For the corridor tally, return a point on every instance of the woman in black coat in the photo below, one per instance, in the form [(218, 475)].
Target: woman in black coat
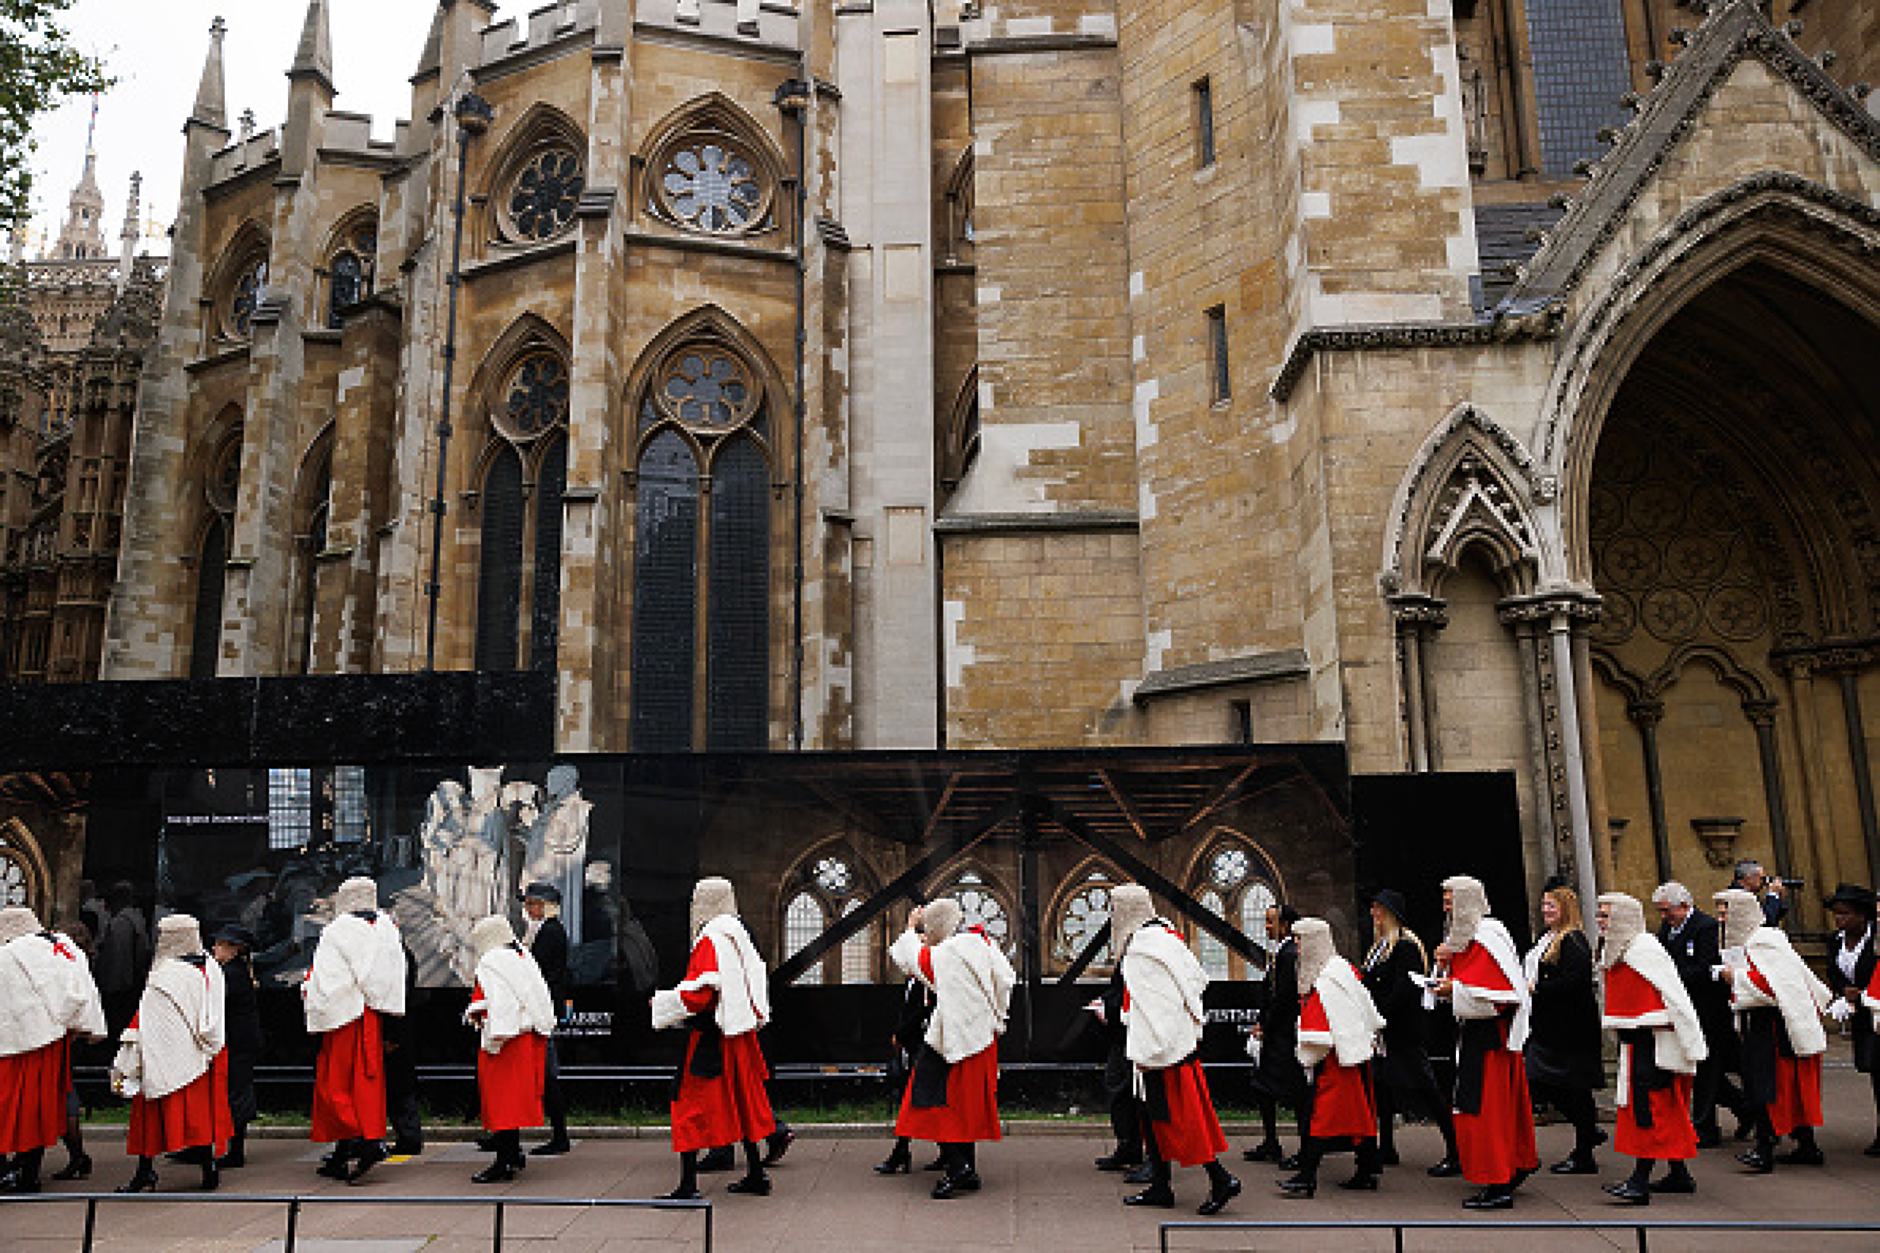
[(1405, 1082), (243, 1017), (1564, 1062), (1851, 962)]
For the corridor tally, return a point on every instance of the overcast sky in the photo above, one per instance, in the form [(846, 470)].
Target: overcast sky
[(156, 49)]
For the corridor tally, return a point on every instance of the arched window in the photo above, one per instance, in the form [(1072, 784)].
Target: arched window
[(539, 180), (829, 884), (710, 170), (221, 490), (1236, 882), (312, 543), (703, 415), (239, 283), (524, 479), (982, 905), (1083, 909), (350, 265)]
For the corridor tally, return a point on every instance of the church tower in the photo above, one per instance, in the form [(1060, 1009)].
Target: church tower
[(82, 237)]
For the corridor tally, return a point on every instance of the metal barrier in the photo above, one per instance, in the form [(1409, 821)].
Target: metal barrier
[(1641, 1227), (295, 1202)]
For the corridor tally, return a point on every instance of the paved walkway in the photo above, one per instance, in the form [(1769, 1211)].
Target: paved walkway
[(1040, 1193)]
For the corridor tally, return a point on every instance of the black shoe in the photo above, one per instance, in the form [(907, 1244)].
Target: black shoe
[(1575, 1165), (1759, 1162), (406, 1148), (1673, 1185), (1448, 1168), (1521, 1175), (334, 1167), (1490, 1198), (1218, 1197), (374, 1154), (1144, 1173), (1119, 1160), (1299, 1186), (776, 1144), (1806, 1155), (951, 1186), (1155, 1196), (750, 1185), (16, 1183), (1388, 1157), (78, 1168), (1289, 1162), (211, 1176), (142, 1181), (1266, 1151), (938, 1163), (496, 1172), (554, 1148), (680, 1194), (899, 1162), (712, 1161), (1628, 1193), (1363, 1181)]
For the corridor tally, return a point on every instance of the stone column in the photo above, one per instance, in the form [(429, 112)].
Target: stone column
[(1824, 866), (1417, 618), (1848, 664), (1646, 715), (1762, 716)]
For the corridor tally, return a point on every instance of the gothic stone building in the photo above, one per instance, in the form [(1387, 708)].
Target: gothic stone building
[(1483, 385)]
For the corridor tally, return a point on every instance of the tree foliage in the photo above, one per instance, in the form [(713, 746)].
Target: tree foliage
[(38, 67)]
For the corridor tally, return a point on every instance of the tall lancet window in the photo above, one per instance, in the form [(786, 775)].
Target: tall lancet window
[(525, 474), (702, 556), (221, 489)]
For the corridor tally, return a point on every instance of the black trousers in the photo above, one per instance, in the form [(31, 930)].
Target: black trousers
[(554, 1096), (401, 1097), (1712, 1086)]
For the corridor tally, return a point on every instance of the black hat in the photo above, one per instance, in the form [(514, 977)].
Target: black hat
[(539, 891), (236, 934), (1392, 899), (1556, 881), (1852, 894)]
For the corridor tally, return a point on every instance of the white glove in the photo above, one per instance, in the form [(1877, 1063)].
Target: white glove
[(1253, 1048), (1840, 1011)]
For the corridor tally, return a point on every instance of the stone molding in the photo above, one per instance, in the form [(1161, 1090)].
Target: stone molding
[(1288, 663)]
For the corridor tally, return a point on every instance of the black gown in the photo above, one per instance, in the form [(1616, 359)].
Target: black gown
[(1564, 1034), (1278, 1077), (1405, 1078)]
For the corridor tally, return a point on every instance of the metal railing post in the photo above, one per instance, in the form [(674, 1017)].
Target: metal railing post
[(1644, 1240), (496, 1233), (91, 1222), (293, 1221)]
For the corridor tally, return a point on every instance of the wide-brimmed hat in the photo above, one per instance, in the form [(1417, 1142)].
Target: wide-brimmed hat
[(539, 891), (1852, 894), (236, 934)]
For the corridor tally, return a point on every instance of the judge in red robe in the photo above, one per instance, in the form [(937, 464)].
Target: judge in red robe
[(1479, 973), (1661, 1042), (719, 1097), (357, 976), (47, 996), (952, 1098), (1163, 1017), (1779, 1003), (172, 1062), (514, 1015), (1338, 1030)]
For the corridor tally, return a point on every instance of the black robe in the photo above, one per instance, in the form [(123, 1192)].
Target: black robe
[(1404, 1070), (1866, 1055), (1694, 950), (242, 1018), (1564, 1034), (1279, 1077)]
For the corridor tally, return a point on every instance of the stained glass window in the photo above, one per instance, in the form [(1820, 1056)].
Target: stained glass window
[(545, 194), (1086, 913), (1581, 69), (979, 907), (665, 596), (211, 575), (250, 284), (499, 575), (350, 271), (706, 388), (290, 808), (738, 663), (545, 605), (536, 397)]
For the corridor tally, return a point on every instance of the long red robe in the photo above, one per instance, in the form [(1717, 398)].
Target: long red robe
[(190, 1117), (509, 1082), (1343, 1104), (971, 1113), (1497, 1142), (1798, 1081), (1671, 1137), (1192, 1134), (32, 1097), (730, 1107), (349, 1082)]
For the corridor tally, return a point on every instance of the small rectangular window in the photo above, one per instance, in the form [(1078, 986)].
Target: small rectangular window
[(1240, 721), (1204, 124), (1217, 354)]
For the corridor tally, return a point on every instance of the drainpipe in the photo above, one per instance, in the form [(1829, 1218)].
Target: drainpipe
[(792, 99), (474, 115)]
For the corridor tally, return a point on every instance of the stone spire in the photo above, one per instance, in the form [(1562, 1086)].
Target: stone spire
[(127, 237), (314, 57), (211, 97), (430, 60), (82, 237)]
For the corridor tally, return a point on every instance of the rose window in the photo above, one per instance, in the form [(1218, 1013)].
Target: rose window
[(980, 908), (833, 877), (712, 188), (1085, 914), (1228, 868), (536, 399), (708, 389), (546, 192)]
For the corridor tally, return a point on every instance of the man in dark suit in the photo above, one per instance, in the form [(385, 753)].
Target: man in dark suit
[(1851, 961), (1691, 937), (548, 944)]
